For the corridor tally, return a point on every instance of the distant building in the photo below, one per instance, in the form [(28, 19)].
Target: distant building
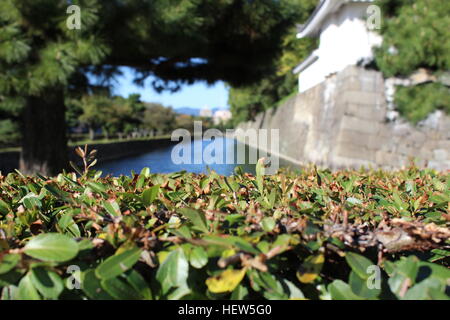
[(206, 112), (221, 116), (344, 40)]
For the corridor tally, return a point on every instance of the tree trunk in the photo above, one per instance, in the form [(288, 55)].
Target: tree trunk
[(44, 140)]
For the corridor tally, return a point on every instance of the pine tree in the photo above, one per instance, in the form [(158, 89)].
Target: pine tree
[(177, 41), (416, 34), (280, 83), (40, 59)]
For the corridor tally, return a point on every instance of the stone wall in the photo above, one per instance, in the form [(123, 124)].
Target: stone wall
[(105, 152), (343, 123)]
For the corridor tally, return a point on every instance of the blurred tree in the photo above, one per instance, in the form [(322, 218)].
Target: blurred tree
[(416, 35), (247, 101), (73, 112), (9, 121), (128, 114), (40, 61), (9, 133), (111, 114), (158, 118), (417, 102), (177, 41), (96, 111), (184, 121)]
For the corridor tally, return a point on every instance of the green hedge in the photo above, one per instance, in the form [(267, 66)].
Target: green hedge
[(304, 235)]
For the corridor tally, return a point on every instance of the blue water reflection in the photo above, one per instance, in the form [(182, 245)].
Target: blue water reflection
[(160, 161)]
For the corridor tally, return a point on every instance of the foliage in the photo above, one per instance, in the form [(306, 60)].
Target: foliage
[(159, 118), (31, 62), (176, 42), (417, 102), (113, 115), (42, 61), (222, 36), (418, 30), (416, 35), (9, 123), (9, 132), (185, 121), (307, 235), (247, 101)]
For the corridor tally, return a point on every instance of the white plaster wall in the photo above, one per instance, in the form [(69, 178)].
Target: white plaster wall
[(344, 41)]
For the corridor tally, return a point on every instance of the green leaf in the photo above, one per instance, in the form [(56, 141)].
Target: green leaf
[(26, 289), (339, 290), (58, 193), (437, 272), (31, 201), (310, 268), (118, 264), (232, 241), (260, 175), (232, 185), (439, 254), (8, 293), (85, 244), (359, 264), (96, 187), (239, 293), (244, 245), (149, 195), (9, 261), (234, 218), (179, 292), (361, 288), (135, 279), (268, 224), (428, 289), (47, 282), (52, 247), (173, 272), (198, 257), (269, 285), (4, 207), (93, 288), (404, 270), (353, 201), (112, 208), (67, 223), (119, 289), (10, 278), (140, 182), (196, 217), (294, 292), (145, 172)]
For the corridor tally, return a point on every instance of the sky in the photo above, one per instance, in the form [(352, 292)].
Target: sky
[(197, 96)]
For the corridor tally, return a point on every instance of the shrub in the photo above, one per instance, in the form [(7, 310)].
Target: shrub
[(306, 235), (416, 103)]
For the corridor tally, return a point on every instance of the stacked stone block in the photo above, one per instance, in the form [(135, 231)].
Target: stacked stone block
[(343, 123)]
